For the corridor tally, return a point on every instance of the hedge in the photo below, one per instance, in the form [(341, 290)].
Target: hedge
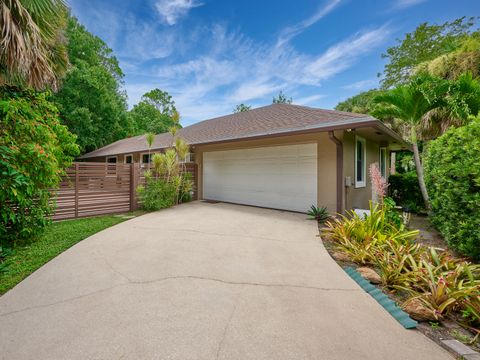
[(452, 175), (404, 189)]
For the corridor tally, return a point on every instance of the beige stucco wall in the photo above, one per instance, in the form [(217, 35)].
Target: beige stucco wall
[(327, 175), (359, 197), (326, 157)]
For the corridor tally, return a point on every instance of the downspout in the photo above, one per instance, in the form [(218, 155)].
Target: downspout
[(339, 145)]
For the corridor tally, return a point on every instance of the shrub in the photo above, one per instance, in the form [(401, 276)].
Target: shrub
[(34, 150), (405, 191), (168, 183), (318, 213), (157, 194), (452, 175)]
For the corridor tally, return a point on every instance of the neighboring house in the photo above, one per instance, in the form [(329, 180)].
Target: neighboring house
[(279, 156)]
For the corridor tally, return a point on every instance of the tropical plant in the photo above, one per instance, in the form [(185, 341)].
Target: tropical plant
[(34, 150), (318, 213), (32, 50), (374, 227), (452, 165), (241, 108), (399, 263), (281, 99), (410, 103), (149, 138), (167, 182), (361, 103)]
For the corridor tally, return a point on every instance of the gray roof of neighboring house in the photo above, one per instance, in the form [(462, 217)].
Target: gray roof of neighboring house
[(275, 119)]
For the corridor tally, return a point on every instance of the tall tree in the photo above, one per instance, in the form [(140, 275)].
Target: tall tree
[(241, 108), (281, 99), (154, 113), (426, 43), (410, 104), (361, 103), (91, 101), (32, 45)]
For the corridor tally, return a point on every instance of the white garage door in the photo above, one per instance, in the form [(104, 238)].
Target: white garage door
[(280, 177)]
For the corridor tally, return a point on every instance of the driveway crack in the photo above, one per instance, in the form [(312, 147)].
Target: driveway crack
[(227, 326), (180, 277)]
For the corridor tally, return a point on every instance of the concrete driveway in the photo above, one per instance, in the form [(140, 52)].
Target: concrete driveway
[(201, 281)]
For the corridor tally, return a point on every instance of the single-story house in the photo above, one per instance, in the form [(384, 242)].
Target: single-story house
[(279, 156)]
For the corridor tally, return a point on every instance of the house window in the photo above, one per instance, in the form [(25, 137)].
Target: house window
[(146, 158), (383, 162), (111, 159), (360, 162), (128, 159)]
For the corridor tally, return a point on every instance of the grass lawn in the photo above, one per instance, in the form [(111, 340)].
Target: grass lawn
[(57, 238)]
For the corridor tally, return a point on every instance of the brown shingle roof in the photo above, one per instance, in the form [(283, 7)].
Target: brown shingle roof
[(263, 121)]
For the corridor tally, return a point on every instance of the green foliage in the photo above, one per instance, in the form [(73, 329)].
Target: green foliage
[(426, 43), (452, 166), (374, 227), (442, 283), (58, 237), (405, 191), (451, 65), (34, 150), (241, 108), (361, 103), (154, 113), (157, 194), (168, 182), (281, 99), (91, 102), (318, 213), (32, 51)]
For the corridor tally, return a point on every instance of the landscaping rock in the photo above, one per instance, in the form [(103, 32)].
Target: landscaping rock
[(418, 311), (370, 274), (340, 257)]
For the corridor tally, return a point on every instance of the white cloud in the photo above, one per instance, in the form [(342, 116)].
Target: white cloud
[(235, 69), (294, 30), (402, 4), (343, 55), (308, 100), (362, 85), (172, 10)]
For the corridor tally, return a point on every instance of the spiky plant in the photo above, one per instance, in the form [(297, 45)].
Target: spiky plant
[(32, 44)]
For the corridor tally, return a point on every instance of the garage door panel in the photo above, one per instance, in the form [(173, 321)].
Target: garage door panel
[(283, 177)]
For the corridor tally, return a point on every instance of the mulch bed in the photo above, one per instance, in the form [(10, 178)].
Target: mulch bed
[(448, 329)]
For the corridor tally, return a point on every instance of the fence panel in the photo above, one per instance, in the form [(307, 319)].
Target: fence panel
[(90, 189)]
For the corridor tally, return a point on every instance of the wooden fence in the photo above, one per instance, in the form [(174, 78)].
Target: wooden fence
[(90, 189)]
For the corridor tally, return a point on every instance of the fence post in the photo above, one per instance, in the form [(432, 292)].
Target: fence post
[(77, 175), (134, 176)]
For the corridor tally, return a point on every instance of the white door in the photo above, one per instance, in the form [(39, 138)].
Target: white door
[(279, 177)]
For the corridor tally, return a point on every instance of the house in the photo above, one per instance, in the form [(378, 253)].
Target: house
[(279, 156)]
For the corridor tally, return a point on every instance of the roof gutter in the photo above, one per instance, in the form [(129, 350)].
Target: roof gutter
[(338, 143)]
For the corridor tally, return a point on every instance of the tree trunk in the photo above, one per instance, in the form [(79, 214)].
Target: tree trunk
[(421, 181)]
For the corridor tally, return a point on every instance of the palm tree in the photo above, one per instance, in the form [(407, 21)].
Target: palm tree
[(150, 138), (32, 44), (410, 104)]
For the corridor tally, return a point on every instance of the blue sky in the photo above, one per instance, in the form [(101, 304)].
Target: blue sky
[(213, 54)]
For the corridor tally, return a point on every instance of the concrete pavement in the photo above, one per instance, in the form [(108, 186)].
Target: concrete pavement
[(201, 281)]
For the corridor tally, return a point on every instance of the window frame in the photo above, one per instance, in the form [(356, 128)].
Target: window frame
[(111, 157), (141, 158), (125, 158), (363, 183), (383, 158)]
